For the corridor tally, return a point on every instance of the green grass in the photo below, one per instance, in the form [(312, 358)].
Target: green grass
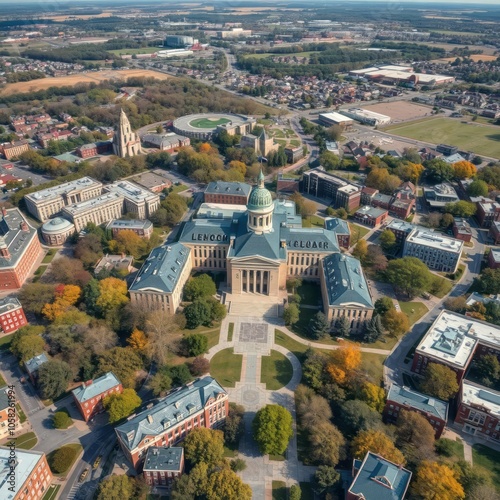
[(2, 381), (310, 293), (276, 371), (488, 460), (39, 272), (26, 441), (5, 341), (483, 140), (295, 143), (212, 334), (225, 366), (302, 326), (142, 50), (279, 490), (277, 458), (20, 413), (50, 255), (357, 232), (230, 332), (231, 451), (372, 365), (77, 448), (457, 449), (178, 188), (414, 310), (207, 122), (51, 493), (282, 339), (446, 287)]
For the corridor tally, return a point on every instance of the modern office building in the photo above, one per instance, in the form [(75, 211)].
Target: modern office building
[(137, 200), (11, 315), (126, 142), (440, 195)]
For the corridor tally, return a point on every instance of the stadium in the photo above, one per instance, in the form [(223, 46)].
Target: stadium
[(206, 125)]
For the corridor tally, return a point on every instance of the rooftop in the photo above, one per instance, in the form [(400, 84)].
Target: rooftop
[(174, 408), (320, 172), (368, 211), (495, 254), (478, 395), (8, 304), (130, 190), (401, 225), (337, 117), (340, 226), (56, 225), (118, 262), (379, 479), (164, 459), (434, 240), (26, 462), (345, 282), (129, 224), (162, 269), (219, 210), (230, 188), (103, 199), (409, 397), (67, 187), (93, 388), (33, 364)]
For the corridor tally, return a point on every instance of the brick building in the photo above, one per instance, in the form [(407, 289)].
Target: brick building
[(203, 403), (14, 149), (487, 213), (88, 397), (31, 475), (163, 465), (400, 398), (341, 228), (494, 232), (461, 230), (143, 228), (494, 258), (11, 315), (286, 185), (232, 193), (370, 216), (33, 365), (19, 249), (94, 149)]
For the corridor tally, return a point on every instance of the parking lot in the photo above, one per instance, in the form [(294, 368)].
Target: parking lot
[(22, 172)]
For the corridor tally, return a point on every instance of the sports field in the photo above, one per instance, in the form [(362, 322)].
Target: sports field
[(481, 139), (208, 122)]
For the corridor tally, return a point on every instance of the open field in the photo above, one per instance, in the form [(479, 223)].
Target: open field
[(400, 110), (208, 122), (225, 366), (95, 77), (276, 371), (474, 57), (487, 460), (142, 50), (481, 139), (273, 54)]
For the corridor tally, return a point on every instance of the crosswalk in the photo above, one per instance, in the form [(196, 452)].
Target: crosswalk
[(72, 492)]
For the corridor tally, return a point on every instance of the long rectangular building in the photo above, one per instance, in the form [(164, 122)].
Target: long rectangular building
[(46, 202), (137, 200)]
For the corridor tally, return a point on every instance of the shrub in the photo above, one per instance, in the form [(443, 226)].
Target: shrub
[(196, 344), (61, 420), (62, 459), (238, 464), (199, 366)]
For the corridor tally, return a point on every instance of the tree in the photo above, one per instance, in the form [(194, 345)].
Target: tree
[(477, 188), (291, 314), (180, 375), (33, 296), (373, 328), (61, 420), (114, 487), (53, 378), (234, 427), (196, 344), (199, 366), (329, 160), (65, 297), (438, 170), (319, 325), (204, 445), (112, 296), (409, 274), (360, 250), (374, 396), (461, 208), (312, 409), (488, 368), (27, 342), (295, 492), (456, 304), (313, 368), (414, 436), (343, 362), (91, 293), (200, 287), (325, 478), (227, 485), (387, 240), (121, 405), (89, 249), (128, 242), (464, 169), (197, 313), (489, 281), (138, 340), (383, 305), (238, 465), (160, 331), (61, 458), (395, 322), (334, 132), (161, 381), (342, 327), (67, 271), (272, 429), (326, 444), (482, 491), (123, 362), (376, 442), (434, 480), (358, 416), (439, 381), (381, 179)]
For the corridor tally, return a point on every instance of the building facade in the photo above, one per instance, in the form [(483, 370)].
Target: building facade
[(461, 230), (56, 231), (88, 397), (126, 143), (494, 232), (487, 213), (33, 365), (19, 249), (94, 149), (143, 228), (371, 216), (262, 145), (11, 315), (9, 419), (203, 403), (14, 149), (139, 201), (163, 465), (231, 193)]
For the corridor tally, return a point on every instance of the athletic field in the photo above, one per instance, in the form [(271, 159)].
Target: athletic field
[(208, 122), (479, 138)]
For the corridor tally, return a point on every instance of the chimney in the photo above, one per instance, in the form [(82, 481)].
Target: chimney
[(24, 226), (4, 211), (89, 382), (4, 251)]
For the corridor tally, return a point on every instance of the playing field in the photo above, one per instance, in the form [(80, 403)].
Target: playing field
[(481, 139), (208, 122)]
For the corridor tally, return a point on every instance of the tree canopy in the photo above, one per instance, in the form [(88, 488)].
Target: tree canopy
[(272, 429), (409, 274), (439, 381)]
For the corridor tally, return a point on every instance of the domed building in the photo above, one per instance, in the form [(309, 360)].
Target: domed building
[(57, 231), (258, 249)]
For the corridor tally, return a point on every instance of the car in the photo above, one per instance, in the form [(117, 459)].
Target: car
[(83, 475), (97, 461)]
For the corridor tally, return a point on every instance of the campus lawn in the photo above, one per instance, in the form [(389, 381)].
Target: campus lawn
[(225, 367), (414, 310), (457, 449), (357, 232), (178, 188), (276, 371), (373, 366), (50, 255), (26, 441), (282, 339), (230, 332), (445, 288), (313, 221), (488, 460), (51, 493), (480, 139), (302, 326)]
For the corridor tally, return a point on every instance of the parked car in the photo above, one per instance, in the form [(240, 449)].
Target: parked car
[(97, 461), (83, 475)]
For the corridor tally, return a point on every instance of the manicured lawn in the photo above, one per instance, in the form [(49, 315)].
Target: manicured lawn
[(457, 449), (178, 188), (295, 143), (313, 221), (372, 365), (211, 333), (292, 345), (208, 122), (75, 447), (51, 493), (414, 310), (225, 366), (50, 255), (39, 273), (276, 371), (230, 332), (480, 139), (20, 413), (489, 460), (26, 441), (357, 232), (445, 288), (279, 490), (310, 293), (5, 342)]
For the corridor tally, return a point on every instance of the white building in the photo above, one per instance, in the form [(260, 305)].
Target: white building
[(367, 117), (138, 200)]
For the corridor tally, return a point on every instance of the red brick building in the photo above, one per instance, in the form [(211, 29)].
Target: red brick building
[(433, 410), (203, 403), (230, 193), (163, 465), (495, 232), (371, 216), (88, 397), (461, 230), (487, 213), (342, 230), (286, 185), (494, 258), (19, 249), (11, 315), (94, 149)]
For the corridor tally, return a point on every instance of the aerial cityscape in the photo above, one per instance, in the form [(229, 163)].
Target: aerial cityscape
[(249, 250)]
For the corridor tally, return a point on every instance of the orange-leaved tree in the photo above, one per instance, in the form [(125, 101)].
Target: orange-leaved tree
[(434, 480), (376, 442), (343, 362), (464, 169)]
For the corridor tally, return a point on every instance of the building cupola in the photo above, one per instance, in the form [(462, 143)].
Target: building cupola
[(260, 208)]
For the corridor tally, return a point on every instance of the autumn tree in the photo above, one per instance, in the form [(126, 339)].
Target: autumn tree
[(464, 169), (312, 408), (114, 487), (124, 362), (381, 179), (65, 297), (414, 436), (128, 242), (361, 250), (374, 396), (160, 332), (234, 427), (67, 271), (199, 366), (376, 442), (343, 362), (121, 405), (434, 480), (227, 485), (326, 444), (395, 322), (439, 381), (27, 342), (272, 429), (204, 445), (138, 340), (33, 296)]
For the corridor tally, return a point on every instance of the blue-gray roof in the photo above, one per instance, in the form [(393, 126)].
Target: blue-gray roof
[(379, 479), (231, 188), (164, 459), (345, 281), (4, 398), (340, 226), (310, 239), (208, 230), (408, 397), (370, 211), (13, 237), (95, 387), (33, 364), (172, 409), (162, 268), (129, 224)]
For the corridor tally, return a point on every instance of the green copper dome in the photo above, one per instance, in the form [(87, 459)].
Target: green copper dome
[(260, 197)]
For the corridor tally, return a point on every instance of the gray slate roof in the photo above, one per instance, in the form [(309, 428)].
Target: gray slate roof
[(310, 239), (98, 386), (209, 230), (345, 281), (379, 479), (33, 364), (4, 399), (232, 188), (174, 408), (340, 226), (164, 459), (408, 397), (162, 268)]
